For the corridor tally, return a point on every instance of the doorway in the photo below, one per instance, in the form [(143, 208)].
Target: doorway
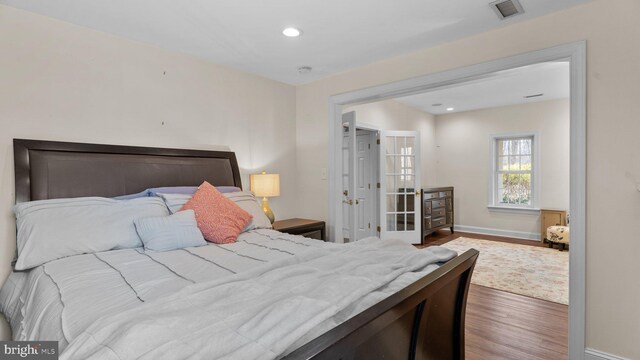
[(576, 53), (381, 177), (366, 183), (363, 197)]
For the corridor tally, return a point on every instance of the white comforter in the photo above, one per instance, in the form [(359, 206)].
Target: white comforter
[(259, 298)]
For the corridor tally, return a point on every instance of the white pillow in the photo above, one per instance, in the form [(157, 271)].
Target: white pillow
[(57, 228), (246, 200), (175, 201)]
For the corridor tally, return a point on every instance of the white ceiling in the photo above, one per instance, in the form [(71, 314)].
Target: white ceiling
[(509, 87), (246, 34)]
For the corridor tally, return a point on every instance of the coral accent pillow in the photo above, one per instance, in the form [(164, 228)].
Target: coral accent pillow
[(219, 219)]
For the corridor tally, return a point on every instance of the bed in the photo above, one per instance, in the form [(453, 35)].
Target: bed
[(418, 315)]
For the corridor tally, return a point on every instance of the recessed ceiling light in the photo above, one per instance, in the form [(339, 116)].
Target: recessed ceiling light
[(291, 32), (450, 109), (304, 69)]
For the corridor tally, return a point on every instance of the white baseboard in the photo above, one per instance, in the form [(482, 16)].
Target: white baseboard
[(590, 354), (498, 232)]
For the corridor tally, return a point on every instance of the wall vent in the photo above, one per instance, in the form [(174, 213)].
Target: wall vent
[(507, 8)]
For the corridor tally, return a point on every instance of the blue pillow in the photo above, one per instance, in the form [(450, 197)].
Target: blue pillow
[(186, 190), (144, 193), (226, 189), (164, 233)]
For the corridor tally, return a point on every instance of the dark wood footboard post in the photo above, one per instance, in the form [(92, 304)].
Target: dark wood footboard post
[(424, 321), (461, 310), (443, 321), (415, 331)]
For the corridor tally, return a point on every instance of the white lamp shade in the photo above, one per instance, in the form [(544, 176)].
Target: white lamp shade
[(265, 185)]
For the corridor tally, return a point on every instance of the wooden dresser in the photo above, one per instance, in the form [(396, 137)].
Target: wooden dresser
[(437, 209)]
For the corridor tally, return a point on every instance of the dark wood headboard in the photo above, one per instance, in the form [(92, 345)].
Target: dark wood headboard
[(51, 169)]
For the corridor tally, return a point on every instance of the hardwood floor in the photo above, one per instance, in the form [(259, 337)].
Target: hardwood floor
[(505, 326), (502, 325)]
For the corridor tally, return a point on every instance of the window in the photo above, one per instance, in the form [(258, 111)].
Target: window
[(514, 172)]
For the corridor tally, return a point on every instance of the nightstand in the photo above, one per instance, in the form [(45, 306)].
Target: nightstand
[(313, 229)]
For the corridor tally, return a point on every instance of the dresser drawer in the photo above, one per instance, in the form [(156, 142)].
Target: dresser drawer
[(437, 203), (439, 212), (431, 195), (427, 223), (445, 194), (438, 222), (449, 203), (426, 207), (450, 217)]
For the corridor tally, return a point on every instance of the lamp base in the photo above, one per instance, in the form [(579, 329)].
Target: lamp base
[(267, 210)]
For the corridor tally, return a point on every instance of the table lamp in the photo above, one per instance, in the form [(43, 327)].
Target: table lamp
[(266, 185)]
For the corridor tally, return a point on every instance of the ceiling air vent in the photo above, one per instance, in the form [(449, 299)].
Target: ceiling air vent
[(507, 8)]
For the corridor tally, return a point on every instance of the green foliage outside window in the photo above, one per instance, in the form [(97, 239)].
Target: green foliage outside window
[(516, 187)]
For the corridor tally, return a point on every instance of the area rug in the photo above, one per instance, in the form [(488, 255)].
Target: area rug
[(537, 272)]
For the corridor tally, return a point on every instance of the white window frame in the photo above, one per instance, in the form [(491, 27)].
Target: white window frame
[(494, 204)]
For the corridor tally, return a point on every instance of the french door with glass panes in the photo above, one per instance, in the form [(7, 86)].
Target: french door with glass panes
[(400, 185)]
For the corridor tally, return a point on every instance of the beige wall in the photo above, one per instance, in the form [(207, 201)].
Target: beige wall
[(465, 158), (613, 156), (63, 82), (393, 115), (456, 145)]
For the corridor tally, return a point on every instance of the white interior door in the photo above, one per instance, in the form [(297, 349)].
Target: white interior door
[(366, 180), (348, 176), (400, 185)]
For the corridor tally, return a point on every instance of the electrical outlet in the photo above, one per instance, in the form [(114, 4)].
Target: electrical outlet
[(323, 174)]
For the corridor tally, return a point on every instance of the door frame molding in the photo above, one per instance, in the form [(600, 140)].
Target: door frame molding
[(576, 54)]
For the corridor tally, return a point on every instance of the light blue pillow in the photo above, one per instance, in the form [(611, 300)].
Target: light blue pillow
[(164, 233)]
